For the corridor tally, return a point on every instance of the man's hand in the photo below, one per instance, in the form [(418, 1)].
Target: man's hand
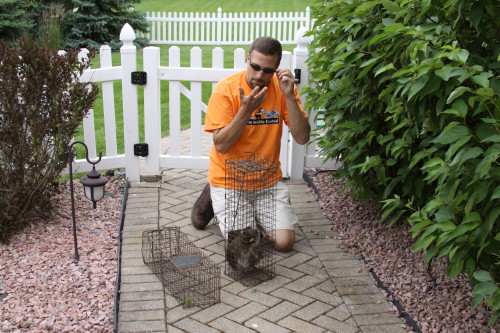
[(227, 136), (286, 80), (253, 101)]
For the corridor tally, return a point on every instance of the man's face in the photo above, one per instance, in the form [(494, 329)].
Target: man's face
[(260, 69)]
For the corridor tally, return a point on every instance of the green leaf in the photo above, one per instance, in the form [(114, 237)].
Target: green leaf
[(476, 13), (496, 193), (451, 133), (396, 27), (472, 217), (482, 79), (365, 6), (476, 300), (423, 242), (487, 92), (455, 267), (390, 6), (384, 69), (485, 288), (433, 204), (463, 55), (456, 146), (418, 156), (457, 93), (419, 226), (495, 138), (369, 62), (417, 86), (430, 254), (470, 153), (446, 226), (445, 72), (444, 214), (491, 218), (483, 276), (461, 107)]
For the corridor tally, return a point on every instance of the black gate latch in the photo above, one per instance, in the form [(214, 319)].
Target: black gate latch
[(140, 78), (141, 149), (297, 73)]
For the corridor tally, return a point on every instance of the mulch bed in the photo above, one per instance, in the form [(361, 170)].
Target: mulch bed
[(434, 302), (43, 288)]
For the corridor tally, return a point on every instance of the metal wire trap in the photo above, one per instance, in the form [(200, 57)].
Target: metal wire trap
[(250, 218), (182, 267)]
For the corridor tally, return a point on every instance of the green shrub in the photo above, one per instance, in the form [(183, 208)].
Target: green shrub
[(41, 105), (410, 91)]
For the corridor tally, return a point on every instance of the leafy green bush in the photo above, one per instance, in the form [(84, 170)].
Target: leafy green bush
[(410, 92), (41, 105)]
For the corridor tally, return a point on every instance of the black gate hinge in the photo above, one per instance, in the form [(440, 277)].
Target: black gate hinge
[(140, 78), (141, 149)]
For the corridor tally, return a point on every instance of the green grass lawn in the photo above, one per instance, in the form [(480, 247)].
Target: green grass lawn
[(176, 5), (226, 5)]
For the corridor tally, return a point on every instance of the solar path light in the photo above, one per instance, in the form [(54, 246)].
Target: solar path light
[(93, 184)]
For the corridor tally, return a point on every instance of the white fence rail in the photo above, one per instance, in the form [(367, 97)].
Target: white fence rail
[(221, 28), (293, 157)]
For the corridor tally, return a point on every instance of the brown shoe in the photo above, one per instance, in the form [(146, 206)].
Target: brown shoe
[(202, 212)]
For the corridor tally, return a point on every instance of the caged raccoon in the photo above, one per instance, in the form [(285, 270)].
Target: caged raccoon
[(244, 248)]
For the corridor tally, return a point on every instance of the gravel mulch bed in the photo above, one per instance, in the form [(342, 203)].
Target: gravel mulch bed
[(432, 300), (42, 288)]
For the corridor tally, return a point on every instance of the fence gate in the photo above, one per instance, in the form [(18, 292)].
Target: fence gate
[(191, 150)]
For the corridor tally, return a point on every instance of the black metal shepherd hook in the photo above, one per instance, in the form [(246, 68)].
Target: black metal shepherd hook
[(93, 184)]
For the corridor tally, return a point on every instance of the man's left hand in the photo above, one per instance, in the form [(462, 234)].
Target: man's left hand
[(286, 80)]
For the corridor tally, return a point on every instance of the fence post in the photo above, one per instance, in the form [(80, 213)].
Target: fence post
[(219, 25), (152, 125), (301, 52), (130, 110)]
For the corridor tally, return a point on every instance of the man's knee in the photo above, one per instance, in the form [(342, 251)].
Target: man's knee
[(284, 240)]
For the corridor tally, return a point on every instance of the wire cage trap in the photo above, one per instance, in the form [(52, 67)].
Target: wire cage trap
[(250, 218), (182, 267)]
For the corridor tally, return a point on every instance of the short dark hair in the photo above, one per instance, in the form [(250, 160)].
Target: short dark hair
[(267, 46)]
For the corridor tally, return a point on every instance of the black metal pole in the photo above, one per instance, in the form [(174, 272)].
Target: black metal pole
[(77, 257)]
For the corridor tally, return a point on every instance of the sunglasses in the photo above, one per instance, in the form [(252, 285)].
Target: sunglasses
[(257, 68)]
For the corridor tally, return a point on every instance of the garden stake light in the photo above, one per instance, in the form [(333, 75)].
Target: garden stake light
[(93, 184)]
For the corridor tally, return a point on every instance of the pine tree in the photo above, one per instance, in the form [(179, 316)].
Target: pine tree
[(97, 22), (13, 19)]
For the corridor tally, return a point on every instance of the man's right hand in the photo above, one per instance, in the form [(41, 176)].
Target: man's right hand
[(253, 100)]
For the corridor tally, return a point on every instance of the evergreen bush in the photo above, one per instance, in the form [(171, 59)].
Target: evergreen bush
[(14, 20), (41, 105), (96, 23), (410, 92)]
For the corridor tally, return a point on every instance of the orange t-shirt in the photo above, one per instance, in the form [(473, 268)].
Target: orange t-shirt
[(263, 131)]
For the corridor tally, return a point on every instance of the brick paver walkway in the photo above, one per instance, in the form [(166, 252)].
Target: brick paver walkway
[(319, 287)]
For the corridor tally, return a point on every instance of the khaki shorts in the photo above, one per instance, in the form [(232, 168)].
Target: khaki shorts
[(285, 217)]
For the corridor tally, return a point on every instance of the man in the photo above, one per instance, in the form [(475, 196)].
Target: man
[(235, 112)]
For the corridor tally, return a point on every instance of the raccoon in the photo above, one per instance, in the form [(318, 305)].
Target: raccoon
[(244, 248)]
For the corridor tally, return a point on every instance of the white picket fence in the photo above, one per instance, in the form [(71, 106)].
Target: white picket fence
[(221, 28), (293, 158)]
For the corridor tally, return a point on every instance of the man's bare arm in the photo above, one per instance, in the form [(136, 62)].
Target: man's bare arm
[(224, 138)]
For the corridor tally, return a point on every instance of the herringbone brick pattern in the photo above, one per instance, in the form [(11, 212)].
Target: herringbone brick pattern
[(319, 287)]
